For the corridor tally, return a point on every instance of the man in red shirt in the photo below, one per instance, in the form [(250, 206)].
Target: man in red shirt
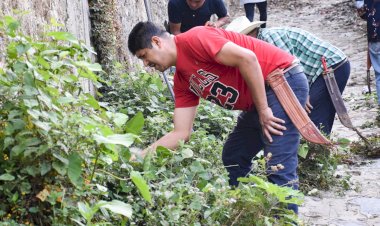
[(228, 69)]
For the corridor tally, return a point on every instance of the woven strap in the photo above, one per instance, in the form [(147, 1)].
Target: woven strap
[(293, 108)]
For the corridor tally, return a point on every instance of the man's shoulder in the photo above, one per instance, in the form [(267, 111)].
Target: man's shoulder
[(178, 3), (215, 1)]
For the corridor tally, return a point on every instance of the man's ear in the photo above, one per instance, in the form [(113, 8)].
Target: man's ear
[(157, 40)]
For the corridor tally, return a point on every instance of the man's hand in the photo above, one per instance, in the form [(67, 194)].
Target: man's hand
[(137, 154), (270, 124), (308, 106), (211, 24)]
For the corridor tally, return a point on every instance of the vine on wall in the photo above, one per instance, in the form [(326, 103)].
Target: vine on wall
[(104, 31)]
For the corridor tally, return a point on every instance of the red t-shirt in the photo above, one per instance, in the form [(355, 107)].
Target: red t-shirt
[(199, 75)]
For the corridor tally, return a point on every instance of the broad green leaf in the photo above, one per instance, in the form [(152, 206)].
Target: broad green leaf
[(56, 64), (13, 114), (20, 67), (120, 119), (45, 168), (63, 54), (122, 139), (12, 25), (49, 52), (21, 48), (136, 124), (43, 125), (92, 101), (75, 169), (141, 184), (43, 63), (66, 100), (60, 168), (33, 141), (78, 222), (187, 153), (7, 177), (31, 170), (17, 150), (64, 36), (86, 211), (303, 150), (25, 187), (119, 207), (89, 66), (11, 50), (8, 141), (30, 103), (197, 167), (62, 159)]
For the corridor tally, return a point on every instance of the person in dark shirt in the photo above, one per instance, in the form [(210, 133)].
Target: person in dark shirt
[(369, 10), (186, 14)]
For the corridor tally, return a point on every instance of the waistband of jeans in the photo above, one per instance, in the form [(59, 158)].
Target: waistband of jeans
[(294, 68), (336, 66)]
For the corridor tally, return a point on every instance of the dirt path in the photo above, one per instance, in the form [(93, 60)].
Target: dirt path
[(336, 22)]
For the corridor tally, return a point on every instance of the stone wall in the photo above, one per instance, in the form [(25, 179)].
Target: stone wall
[(35, 15), (74, 14), (132, 11)]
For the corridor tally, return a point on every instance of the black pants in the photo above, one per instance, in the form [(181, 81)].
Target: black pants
[(250, 11)]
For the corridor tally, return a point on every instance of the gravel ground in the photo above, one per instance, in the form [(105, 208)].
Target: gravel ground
[(336, 21)]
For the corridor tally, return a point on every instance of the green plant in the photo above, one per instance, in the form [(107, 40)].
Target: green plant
[(65, 155), (54, 137), (318, 163)]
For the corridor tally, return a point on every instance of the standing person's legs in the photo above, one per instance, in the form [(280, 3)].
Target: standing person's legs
[(323, 112), (374, 53), (249, 9), (244, 142), (262, 6), (284, 148)]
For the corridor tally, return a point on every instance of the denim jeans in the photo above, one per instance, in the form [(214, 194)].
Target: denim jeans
[(250, 11), (323, 112), (374, 53), (247, 139)]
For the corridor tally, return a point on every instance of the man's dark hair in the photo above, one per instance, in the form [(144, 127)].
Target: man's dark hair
[(141, 36)]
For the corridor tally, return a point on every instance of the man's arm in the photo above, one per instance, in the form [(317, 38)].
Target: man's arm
[(183, 123), (223, 21), (175, 18), (175, 29), (249, 67), (219, 23)]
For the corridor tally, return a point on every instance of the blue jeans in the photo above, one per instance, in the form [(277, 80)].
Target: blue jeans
[(250, 11), (374, 53), (247, 139), (323, 112)]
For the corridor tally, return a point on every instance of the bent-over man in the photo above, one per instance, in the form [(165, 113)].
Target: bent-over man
[(228, 69)]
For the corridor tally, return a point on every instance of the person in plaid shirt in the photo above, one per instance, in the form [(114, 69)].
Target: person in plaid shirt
[(308, 49), (369, 10)]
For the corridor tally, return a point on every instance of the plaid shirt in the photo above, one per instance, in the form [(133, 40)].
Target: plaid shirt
[(305, 46)]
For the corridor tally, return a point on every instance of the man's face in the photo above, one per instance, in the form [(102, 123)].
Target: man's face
[(154, 57), (195, 4)]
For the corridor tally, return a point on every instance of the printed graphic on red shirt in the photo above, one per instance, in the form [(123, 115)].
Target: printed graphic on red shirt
[(219, 93)]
